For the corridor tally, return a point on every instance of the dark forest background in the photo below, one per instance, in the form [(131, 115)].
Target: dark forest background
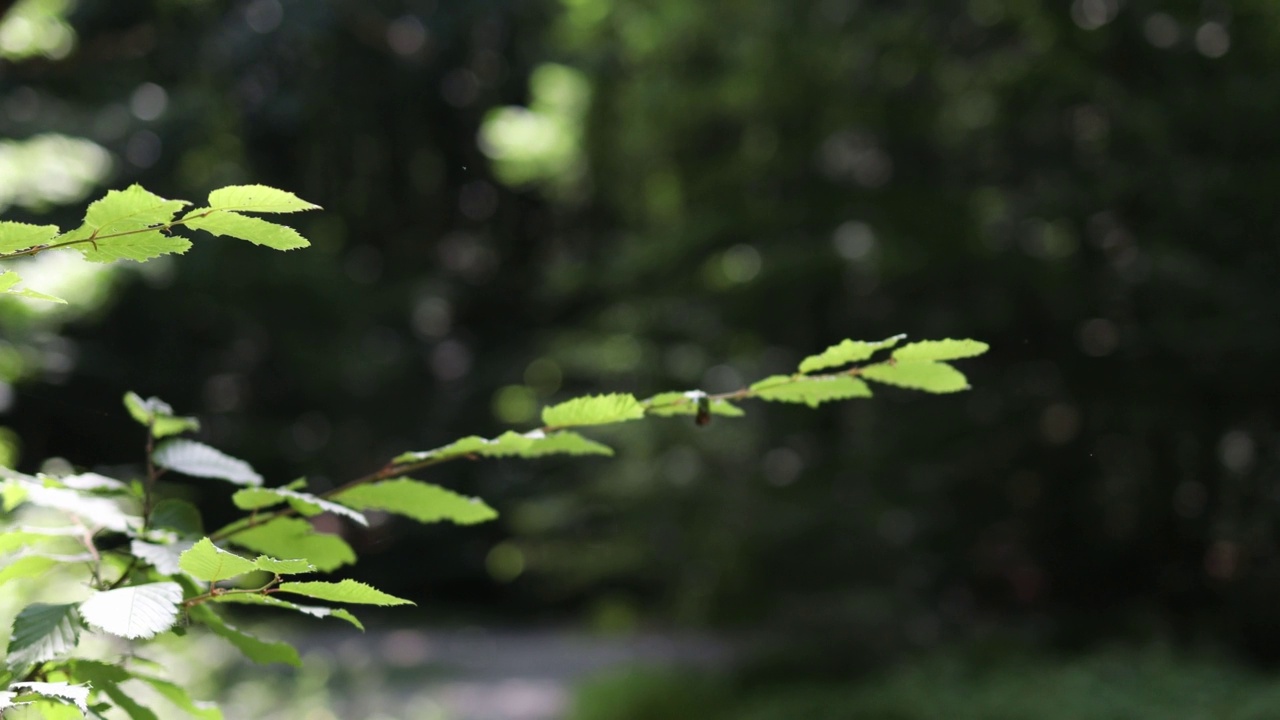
[(528, 200)]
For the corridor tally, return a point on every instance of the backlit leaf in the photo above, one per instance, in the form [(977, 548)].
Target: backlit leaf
[(812, 391), (165, 559), (244, 227), (845, 352), (934, 377), (77, 695), (274, 601), (287, 537), (139, 611), (532, 444), (124, 226), (421, 501), (305, 503), (9, 286), (16, 236), (258, 198), (199, 460), (686, 403), (283, 567), (210, 563), (156, 414), (593, 410), (940, 350), (346, 591)]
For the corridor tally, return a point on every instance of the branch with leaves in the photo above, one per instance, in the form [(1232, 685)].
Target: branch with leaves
[(163, 571)]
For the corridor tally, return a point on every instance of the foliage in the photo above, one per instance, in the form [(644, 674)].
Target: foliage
[(152, 570)]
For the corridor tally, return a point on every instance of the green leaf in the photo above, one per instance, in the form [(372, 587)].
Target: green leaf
[(272, 601), (244, 227), (256, 649), (14, 538), (42, 632), (166, 559), (934, 377), (210, 563), (847, 351), (199, 460), (421, 501), (8, 286), (124, 225), (296, 538), (179, 516), (9, 700), (257, 198), (686, 403), (15, 236), (305, 503), (178, 695), (812, 391), (593, 410), (346, 591), (940, 350), (283, 567), (157, 415), (77, 695), (29, 566), (532, 444), (139, 611)]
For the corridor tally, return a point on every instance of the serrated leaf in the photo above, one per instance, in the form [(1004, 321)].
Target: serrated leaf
[(199, 460), (42, 632), (296, 538), (940, 350), (317, 611), (934, 377), (258, 198), (244, 227), (139, 611), (532, 444), (845, 352), (256, 649), (124, 225), (77, 695), (15, 236), (345, 591), (593, 410), (283, 567), (421, 501), (210, 563), (166, 559), (686, 403), (305, 503), (812, 391), (9, 700), (179, 696), (158, 415)]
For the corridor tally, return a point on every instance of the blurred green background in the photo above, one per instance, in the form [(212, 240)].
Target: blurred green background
[(531, 199)]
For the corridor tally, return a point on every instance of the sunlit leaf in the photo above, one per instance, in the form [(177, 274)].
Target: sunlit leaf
[(686, 403), (16, 236), (244, 227), (346, 591), (295, 538), (845, 352), (165, 559), (156, 414), (934, 377), (124, 226), (210, 563), (258, 198), (9, 286), (593, 410), (139, 611), (305, 503), (42, 632), (283, 567), (29, 566), (812, 391), (274, 601), (421, 501), (199, 460), (532, 444), (940, 350), (94, 511)]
